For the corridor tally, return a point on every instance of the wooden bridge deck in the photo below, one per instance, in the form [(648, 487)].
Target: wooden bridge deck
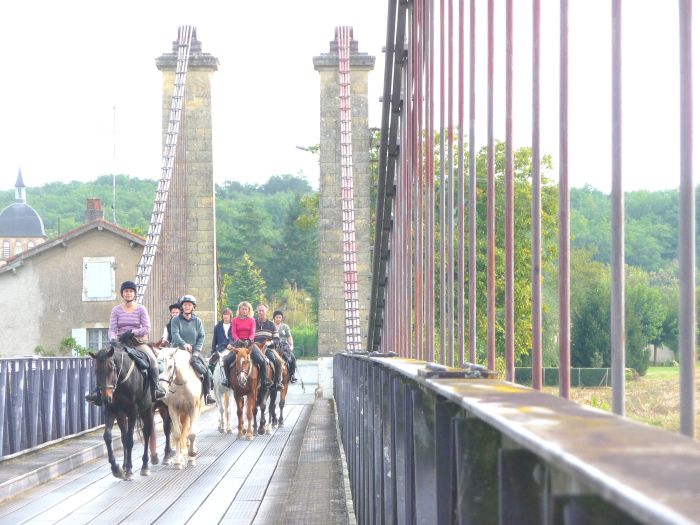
[(234, 481)]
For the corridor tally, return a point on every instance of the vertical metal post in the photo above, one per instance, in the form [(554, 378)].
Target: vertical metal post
[(4, 372), (536, 205), (686, 242), (472, 181), (451, 188), (564, 304), (443, 217), (509, 205), (490, 205), (617, 289), (430, 176), (460, 152)]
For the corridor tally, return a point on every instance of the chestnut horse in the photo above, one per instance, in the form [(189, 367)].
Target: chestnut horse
[(244, 379)]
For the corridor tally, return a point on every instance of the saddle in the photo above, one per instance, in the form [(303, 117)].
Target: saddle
[(138, 357)]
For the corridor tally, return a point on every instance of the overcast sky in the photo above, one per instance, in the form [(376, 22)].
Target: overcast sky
[(82, 95)]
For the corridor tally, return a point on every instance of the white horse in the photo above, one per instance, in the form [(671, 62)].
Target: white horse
[(183, 399), (223, 395)]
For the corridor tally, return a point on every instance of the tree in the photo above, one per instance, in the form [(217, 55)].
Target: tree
[(645, 312), (246, 283), (522, 161)]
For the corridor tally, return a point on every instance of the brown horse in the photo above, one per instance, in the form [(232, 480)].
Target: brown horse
[(282, 395), (244, 379)]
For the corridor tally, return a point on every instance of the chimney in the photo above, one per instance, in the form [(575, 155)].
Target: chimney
[(94, 209)]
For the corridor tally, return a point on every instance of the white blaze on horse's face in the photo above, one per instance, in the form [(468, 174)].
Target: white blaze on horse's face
[(242, 375)]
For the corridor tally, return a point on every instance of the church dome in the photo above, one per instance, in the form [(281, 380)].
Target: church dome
[(21, 220)]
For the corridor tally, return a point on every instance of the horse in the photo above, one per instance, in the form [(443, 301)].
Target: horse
[(184, 402), (223, 395), (244, 379), (162, 409), (127, 398), (282, 396)]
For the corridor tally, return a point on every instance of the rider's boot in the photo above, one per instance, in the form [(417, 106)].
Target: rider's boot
[(206, 390), (225, 383), (94, 397), (265, 383), (292, 370), (278, 376), (157, 391)]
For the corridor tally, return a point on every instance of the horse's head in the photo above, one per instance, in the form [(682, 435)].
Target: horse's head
[(106, 373), (242, 366), (167, 366)]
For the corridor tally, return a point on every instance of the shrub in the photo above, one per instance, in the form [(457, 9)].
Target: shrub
[(305, 341)]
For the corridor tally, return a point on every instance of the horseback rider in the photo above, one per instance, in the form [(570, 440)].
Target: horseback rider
[(266, 333), (131, 317), (222, 337), (167, 331), (242, 335), (188, 333), (286, 343)]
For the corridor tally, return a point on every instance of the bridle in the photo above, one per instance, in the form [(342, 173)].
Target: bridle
[(245, 373), (119, 368), (172, 379)]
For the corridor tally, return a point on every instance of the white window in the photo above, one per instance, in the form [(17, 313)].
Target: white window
[(97, 338), (98, 279), (18, 247), (5, 249), (30, 245)]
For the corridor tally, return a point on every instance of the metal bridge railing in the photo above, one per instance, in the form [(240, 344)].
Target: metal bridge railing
[(43, 399), (426, 449)]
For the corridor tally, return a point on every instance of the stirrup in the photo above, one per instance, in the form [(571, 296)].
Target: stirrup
[(157, 394), (224, 383), (209, 399), (293, 380)]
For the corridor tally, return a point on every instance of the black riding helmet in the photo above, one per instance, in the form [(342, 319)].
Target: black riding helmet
[(127, 285)]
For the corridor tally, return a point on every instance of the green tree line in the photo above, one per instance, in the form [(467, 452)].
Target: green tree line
[(267, 234)]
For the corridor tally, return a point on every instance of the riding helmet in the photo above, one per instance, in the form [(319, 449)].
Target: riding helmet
[(128, 285), (188, 299)]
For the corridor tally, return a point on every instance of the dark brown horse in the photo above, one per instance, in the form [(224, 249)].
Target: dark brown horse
[(281, 395), (244, 379), (127, 398)]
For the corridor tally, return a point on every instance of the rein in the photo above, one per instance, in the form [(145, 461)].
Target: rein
[(172, 379), (119, 371)]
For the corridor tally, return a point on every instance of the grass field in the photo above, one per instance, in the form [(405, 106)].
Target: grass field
[(652, 399)]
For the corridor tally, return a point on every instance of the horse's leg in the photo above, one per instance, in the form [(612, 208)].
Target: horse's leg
[(167, 430), (229, 414), (152, 445), (283, 396), (109, 424), (147, 418), (273, 414), (129, 447), (239, 413), (251, 405), (175, 419), (264, 425)]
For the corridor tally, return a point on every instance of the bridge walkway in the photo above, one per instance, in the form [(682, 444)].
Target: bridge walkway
[(293, 475)]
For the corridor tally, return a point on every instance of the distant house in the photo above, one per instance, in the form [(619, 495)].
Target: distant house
[(21, 228), (67, 286)]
